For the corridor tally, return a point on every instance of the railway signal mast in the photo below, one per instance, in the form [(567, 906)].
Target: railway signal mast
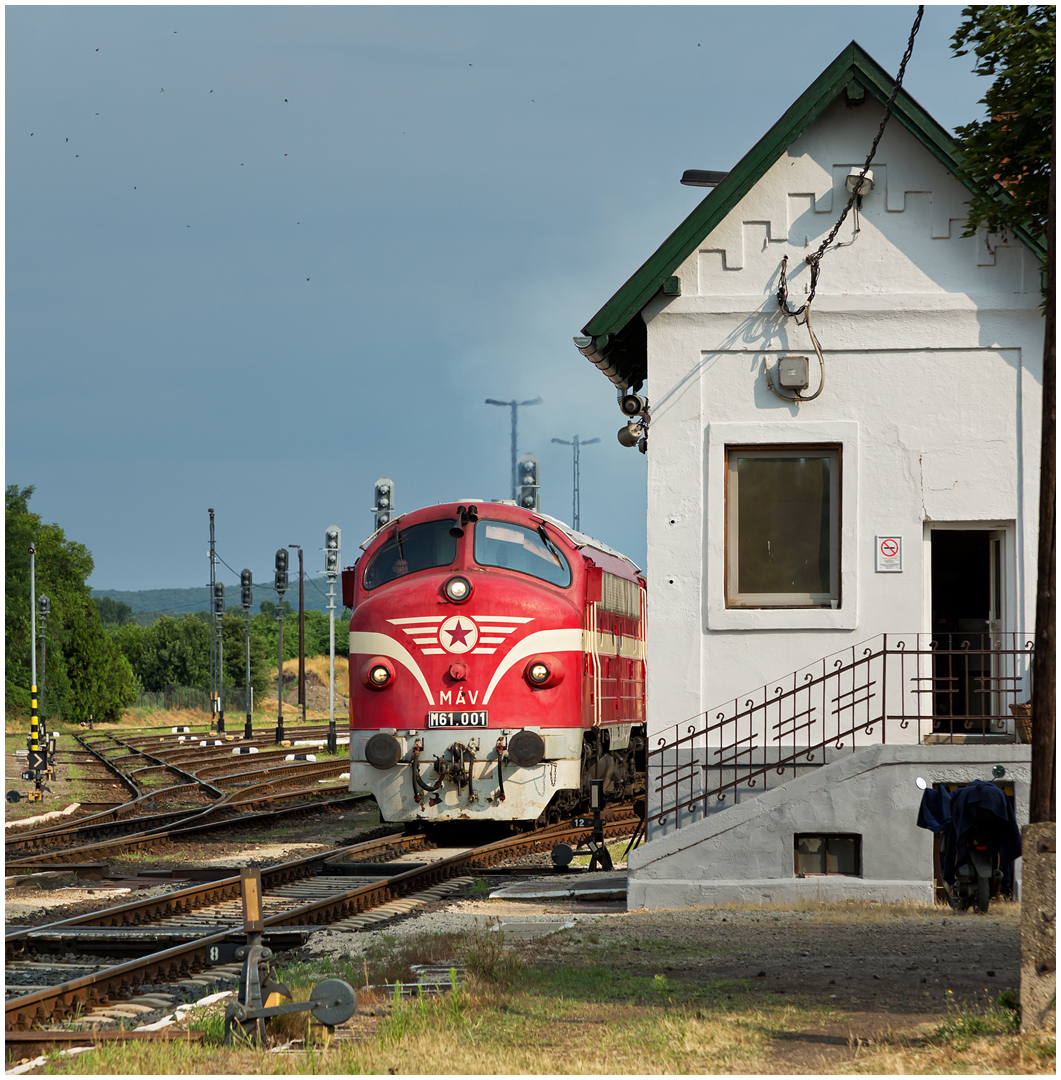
[(219, 615), (44, 608), (246, 587), (210, 606), (301, 637), (280, 581), (332, 540), (37, 760)]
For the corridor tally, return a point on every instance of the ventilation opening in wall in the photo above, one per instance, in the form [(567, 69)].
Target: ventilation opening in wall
[(818, 854)]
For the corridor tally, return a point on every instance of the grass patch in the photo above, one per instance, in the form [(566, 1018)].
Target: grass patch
[(616, 850), (571, 1020)]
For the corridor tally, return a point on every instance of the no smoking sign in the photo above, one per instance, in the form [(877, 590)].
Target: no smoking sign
[(889, 557)]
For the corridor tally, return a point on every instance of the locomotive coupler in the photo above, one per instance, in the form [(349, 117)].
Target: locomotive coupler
[(419, 784), (461, 773)]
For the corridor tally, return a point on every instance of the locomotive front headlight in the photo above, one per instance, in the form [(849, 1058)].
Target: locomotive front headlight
[(458, 589), (538, 673), (377, 673), (544, 671)]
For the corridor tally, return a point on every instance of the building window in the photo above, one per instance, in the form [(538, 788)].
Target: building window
[(828, 854), (783, 527)]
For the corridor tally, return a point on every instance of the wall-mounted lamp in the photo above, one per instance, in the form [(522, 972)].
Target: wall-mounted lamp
[(867, 181), (702, 178)]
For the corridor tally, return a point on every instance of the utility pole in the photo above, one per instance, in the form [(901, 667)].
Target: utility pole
[(332, 538), (575, 498), (514, 406), (301, 638)]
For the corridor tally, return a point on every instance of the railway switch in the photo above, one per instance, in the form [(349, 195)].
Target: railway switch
[(331, 1002)]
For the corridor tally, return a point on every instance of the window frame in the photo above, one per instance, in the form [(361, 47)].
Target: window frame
[(797, 871), (393, 529), (733, 598), (567, 564)]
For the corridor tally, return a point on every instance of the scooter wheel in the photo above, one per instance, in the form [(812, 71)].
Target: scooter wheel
[(983, 894)]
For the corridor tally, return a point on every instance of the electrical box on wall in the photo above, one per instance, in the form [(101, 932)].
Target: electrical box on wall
[(793, 372)]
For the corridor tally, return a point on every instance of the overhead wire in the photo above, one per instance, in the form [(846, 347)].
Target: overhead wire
[(802, 314)]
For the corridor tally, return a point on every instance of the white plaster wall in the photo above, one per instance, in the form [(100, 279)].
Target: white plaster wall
[(745, 853), (933, 354)]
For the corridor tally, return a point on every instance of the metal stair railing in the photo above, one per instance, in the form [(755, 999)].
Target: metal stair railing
[(950, 686)]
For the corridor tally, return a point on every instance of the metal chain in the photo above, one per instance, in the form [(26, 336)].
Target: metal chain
[(814, 260)]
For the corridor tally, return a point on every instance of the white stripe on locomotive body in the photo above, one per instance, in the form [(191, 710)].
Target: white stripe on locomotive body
[(372, 644), (542, 641)]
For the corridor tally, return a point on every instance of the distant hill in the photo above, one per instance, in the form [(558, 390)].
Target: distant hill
[(149, 604)]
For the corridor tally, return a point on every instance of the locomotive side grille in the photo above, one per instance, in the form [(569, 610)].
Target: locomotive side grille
[(620, 596)]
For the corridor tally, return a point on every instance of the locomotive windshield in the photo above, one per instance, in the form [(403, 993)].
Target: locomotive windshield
[(500, 543), (419, 547)]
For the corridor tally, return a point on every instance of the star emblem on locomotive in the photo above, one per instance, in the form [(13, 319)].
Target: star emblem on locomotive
[(458, 635)]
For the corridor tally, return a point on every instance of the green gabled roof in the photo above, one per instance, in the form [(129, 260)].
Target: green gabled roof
[(853, 72)]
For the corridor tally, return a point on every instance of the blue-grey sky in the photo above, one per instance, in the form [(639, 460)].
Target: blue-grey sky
[(258, 257)]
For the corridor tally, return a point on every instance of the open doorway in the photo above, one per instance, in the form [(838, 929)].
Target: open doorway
[(968, 586)]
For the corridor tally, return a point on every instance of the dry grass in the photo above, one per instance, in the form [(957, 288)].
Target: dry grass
[(319, 666), (570, 1022)]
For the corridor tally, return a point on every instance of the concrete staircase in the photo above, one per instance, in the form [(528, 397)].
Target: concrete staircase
[(745, 852)]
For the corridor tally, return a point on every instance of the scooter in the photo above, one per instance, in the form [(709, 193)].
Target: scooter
[(978, 836)]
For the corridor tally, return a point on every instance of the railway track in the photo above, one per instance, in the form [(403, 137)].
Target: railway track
[(221, 777), (298, 896)]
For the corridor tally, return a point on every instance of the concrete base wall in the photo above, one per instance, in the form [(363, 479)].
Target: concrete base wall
[(745, 854)]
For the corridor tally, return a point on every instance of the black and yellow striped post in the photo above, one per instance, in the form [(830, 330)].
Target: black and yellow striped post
[(37, 757), (37, 762)]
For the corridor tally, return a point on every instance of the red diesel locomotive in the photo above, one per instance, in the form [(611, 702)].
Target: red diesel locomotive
[(497, 663)]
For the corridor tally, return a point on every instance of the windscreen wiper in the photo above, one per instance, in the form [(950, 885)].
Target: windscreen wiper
[(552, 548)]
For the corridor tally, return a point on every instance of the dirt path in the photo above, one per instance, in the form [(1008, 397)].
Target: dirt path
[(885, 972)]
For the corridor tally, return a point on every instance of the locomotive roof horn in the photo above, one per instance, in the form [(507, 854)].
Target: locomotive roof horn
[(465, 514)]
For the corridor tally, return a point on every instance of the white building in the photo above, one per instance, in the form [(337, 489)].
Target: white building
[(853, 569)]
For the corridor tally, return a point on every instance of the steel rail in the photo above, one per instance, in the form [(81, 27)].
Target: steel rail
[(308, 768), (182, 901), (189, 778), (139, 825), (365, 897), (151, 838), (57, 1002), (239, 796)]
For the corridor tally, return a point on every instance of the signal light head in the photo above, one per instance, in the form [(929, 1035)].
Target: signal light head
[(457, 589)]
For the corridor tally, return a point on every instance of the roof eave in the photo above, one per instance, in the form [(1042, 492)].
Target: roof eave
[(854, 69)]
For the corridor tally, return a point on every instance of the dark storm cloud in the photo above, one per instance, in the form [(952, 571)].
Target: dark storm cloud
[(288, 250)]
